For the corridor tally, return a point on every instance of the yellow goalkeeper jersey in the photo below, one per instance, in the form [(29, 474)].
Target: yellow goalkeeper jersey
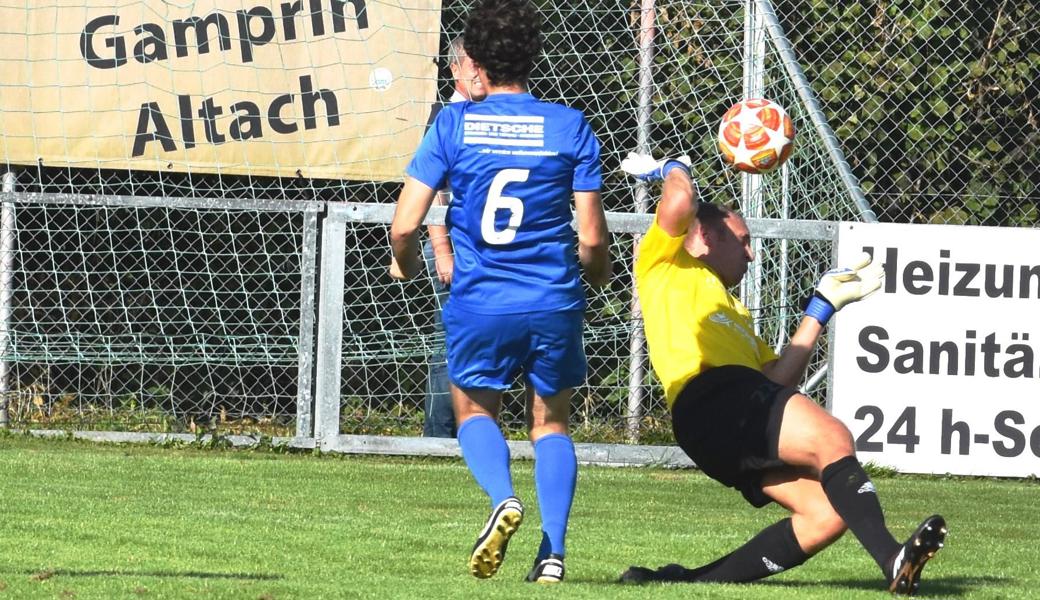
[(692, 322)]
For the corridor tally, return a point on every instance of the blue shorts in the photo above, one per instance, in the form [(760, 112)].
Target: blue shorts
[(487, 351)]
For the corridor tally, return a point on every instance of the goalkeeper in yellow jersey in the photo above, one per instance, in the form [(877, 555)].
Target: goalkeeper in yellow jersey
[(735, 409)]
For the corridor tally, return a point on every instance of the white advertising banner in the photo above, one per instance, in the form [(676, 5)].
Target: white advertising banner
[(938, 371)]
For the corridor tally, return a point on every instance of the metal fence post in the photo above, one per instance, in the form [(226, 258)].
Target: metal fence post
[(752, 201), (308, 292), (330, 327), (637, 343), (7, 240)]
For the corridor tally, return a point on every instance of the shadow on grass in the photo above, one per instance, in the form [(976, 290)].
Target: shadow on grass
[(48, 573), (940, 587)]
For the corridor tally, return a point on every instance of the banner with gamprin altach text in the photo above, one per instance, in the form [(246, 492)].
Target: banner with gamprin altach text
[(315, 88)]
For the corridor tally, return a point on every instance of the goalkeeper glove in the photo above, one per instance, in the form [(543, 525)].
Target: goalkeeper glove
[(842, 286), (644, 168)]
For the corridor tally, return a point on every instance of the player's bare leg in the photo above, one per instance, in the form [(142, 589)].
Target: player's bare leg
[(547, 415), (471, 403), (815, 523), (811, 437)]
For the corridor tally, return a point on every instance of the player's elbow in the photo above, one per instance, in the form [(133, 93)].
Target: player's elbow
[(775, 373), (401, 233), (596, 261), (595, 239)]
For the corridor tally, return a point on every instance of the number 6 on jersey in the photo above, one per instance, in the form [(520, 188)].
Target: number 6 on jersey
[(496, 201)]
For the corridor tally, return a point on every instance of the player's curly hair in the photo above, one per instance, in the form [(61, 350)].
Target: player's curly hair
[(504, 37)]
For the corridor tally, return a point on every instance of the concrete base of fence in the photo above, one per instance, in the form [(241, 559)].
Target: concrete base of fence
[(611, 455), (127, 437), (614, 455)]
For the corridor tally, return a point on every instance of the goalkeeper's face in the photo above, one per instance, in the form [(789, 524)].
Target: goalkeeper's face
[(729, 249)]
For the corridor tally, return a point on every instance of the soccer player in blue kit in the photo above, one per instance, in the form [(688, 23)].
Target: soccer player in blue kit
[(516, 303)]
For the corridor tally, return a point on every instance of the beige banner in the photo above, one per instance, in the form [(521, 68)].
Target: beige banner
[(314, 88)]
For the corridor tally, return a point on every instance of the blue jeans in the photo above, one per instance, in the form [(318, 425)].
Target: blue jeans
[(438, 415)]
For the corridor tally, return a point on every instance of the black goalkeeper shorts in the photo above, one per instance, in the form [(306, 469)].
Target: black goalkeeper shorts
[(727, 419)]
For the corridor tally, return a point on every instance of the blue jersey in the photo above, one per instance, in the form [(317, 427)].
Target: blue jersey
[(512, 163)]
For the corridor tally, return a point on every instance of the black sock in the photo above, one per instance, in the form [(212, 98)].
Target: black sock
[(853, 496), (674, 572), (773, 550)]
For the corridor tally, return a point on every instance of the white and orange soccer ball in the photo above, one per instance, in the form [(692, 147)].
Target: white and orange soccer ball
[(756, 136)]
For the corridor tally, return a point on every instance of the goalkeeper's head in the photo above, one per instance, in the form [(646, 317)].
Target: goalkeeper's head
[(504, 38), (720, 238)]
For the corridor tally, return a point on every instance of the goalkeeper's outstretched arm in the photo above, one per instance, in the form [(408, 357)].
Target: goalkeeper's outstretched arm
[(678, 207), (789, 369), (837, 288)]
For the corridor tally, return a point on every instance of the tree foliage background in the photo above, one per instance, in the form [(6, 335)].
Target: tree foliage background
[(935, 102)]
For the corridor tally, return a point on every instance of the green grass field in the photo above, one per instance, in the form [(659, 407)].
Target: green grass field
[(83, 520)]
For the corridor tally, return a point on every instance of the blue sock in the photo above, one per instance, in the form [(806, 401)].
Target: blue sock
[(487, 456), (555, 476)]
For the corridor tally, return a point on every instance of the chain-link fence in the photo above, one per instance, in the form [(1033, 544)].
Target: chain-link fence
[(174, 314), (936, 103), (159, 315), (390, 342)]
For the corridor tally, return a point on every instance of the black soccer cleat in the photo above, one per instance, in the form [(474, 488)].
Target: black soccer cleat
[(547, 570), (638, 575), (905, 570), (671, 572), (490, 548)]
